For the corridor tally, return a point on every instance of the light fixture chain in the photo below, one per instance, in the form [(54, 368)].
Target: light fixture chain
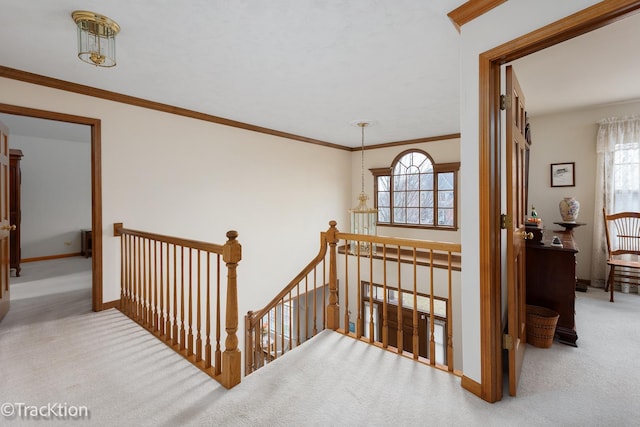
[(362, 158)]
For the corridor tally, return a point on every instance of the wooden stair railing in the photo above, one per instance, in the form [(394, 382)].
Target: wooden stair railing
[(172, 287), (404, 299)]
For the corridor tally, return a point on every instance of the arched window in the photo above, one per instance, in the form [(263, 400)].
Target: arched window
[(416, 192)]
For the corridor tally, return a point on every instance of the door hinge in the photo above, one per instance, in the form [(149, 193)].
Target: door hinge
[(505, 102), (506, 221), (507, 342)]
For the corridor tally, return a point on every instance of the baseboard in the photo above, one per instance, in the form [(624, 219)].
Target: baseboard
[(111, 304), (471, 386), (44, 258)]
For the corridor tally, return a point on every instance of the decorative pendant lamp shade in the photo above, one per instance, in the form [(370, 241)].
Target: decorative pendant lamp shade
[(96, 38), (363, 219)]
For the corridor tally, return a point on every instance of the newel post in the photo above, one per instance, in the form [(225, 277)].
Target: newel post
[(231, 358), (333, 309)]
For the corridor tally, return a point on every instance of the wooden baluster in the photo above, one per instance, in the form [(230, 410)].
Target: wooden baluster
[(163, 319), (207, 321), (183, 332), (140, 284), (449, 318), (198, 317), (416, 337), (249, 344), (130, 273), (371, 321), (347, 310), (157, 299), (175, 295), (297, 316), (143, 282), (167, 326), (218, 355), (290, 325), (306, 305), (359, 323), (432, 319), (315, 302), (123, 264), (324, 295), (231, 358), (189, 345), (149, 280), (333, 310), (385, 321), (399, 332)]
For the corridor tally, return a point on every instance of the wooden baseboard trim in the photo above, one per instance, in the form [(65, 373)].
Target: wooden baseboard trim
[(111, 304), (44, 258), (471, 386)]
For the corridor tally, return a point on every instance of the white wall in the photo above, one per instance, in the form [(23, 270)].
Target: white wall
[(502, 24), (570, 136), (179, 176), (56, 194), (444, 151)]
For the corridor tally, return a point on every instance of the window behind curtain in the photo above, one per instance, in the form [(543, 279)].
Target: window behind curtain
[(626, 178)]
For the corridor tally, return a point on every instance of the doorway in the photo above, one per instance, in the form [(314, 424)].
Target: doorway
[(96, 188), (490, 62)]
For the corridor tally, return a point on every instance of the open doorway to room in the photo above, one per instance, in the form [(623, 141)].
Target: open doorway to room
[(490, 63), (62, 204)]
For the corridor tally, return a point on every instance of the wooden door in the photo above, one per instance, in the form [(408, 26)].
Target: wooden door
[(516, 211), (5, 226)]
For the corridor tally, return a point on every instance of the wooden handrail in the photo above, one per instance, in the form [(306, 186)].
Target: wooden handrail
[(163, 279), (276, 328)]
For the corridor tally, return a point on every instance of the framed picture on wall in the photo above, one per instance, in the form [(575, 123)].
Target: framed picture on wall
[(563, 174)]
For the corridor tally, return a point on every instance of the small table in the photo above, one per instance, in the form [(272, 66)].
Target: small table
[(568, 226)]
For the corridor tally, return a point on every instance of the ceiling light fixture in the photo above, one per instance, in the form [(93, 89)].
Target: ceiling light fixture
[(363, 219), (96, 38)]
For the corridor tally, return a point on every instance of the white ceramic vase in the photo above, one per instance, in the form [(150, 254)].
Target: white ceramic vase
[(569, 209)]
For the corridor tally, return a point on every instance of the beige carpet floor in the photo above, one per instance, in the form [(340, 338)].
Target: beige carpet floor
[(53, 349)]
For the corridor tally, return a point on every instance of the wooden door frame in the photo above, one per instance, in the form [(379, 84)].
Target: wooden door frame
[(96, 186), (591, 18)]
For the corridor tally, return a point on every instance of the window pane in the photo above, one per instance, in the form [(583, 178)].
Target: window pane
[(383, 183), (413, 199), (384, 214), (413, 216), (445, 217), (399, 199), (426, 181), (413, 182), (445, 181), (426, 216), (399, 182), (383, 199), (399, 215), (426, 199), (445, 199)]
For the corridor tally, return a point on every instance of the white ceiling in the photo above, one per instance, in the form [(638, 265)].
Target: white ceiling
[(309, 68)]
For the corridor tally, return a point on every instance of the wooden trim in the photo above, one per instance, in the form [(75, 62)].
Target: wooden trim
[(591, 18), (408, 142), (111, 304), (471, 10), (37, 79), (472, 386), (96, 184), (48, 257)]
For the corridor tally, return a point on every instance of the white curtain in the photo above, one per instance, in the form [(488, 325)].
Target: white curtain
[(617, 182)]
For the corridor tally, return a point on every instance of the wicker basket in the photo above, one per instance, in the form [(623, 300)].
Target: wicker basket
[(541, 326)]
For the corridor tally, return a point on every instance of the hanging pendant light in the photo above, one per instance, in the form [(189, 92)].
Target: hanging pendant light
[(96, 38), (363, 219)]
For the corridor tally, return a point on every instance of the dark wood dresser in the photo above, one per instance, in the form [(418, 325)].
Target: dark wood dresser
[(551, 280)]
